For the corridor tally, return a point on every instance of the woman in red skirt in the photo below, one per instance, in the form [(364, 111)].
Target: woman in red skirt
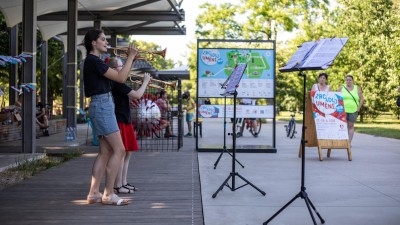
[(122, 95)]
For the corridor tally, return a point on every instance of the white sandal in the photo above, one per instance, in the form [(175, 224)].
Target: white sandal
[(114, 200)]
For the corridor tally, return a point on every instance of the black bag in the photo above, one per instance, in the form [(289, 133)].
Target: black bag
[(398, 101)]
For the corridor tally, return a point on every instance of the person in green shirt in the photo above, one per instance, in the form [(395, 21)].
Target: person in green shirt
[(353, 100)]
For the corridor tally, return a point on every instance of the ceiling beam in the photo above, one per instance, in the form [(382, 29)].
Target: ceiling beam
[(175, 9), (122, 16), (126, 8), (136, 26), (138, 31)]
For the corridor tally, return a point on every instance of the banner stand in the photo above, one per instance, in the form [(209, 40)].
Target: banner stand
[(311, 136)]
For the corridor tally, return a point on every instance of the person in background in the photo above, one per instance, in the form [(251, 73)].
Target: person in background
[(41, 117), (98, 79), (164, 106), (249, 101), (122, 95), (190, 107), (353, 100), (321, 85)]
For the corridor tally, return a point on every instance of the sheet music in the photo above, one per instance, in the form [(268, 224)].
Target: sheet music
[(324, 53), (235, 78), (315, 55), (298, 57)]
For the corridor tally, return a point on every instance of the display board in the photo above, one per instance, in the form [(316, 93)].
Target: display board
[(242, 111), (325, 122), (329, 115), (215, 65)]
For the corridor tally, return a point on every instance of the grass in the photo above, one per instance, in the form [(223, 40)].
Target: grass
[(26, 169), (385, 125), (30, 168), (285, 116)]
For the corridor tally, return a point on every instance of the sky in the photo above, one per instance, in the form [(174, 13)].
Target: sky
[(176, 45)]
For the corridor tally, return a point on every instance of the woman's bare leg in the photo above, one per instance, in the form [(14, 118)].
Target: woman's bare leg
[(115, 161), (99, 166), (119, 178), (125, 168), (350, 128)]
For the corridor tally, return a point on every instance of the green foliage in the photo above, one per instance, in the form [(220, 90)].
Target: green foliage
[(261, 20), (372, 52), (218, 22), (158, 62)]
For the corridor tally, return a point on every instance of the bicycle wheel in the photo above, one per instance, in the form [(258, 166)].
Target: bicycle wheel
[(258, 128), (289, 128), (293, 131), (239, 127)]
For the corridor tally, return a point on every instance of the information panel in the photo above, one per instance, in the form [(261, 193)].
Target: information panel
[(242, 111), (216, 65)]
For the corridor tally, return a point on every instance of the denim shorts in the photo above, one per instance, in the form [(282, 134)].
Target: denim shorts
[(102, 115), (189, 117)]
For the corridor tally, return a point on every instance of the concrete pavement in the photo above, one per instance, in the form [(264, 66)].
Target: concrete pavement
[(365, 191)]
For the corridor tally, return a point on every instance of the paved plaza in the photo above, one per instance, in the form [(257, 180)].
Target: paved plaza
[(177, 187)]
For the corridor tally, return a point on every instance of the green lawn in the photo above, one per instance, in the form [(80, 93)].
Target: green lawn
[(383, 126)]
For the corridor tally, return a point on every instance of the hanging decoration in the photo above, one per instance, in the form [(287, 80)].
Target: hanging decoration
[(28, 87), (21, 58)]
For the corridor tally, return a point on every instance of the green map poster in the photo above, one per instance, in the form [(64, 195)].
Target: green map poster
[(216, 65)]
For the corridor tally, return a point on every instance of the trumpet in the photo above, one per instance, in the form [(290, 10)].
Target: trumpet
[(149, 85), (153, 82), (122, 52)]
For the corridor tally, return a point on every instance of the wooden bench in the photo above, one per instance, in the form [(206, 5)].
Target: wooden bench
[(13, 132)]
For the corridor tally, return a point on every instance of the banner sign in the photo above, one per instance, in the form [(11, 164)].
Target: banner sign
[(329, 115), (242, 111), (216, 65)]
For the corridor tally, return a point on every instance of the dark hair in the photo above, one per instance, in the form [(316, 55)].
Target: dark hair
[(186, 95), (350, 77), (161, 93), (323, 74), (91, 35)]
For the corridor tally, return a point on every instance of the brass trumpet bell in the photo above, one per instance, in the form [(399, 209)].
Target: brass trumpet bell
[(153, 82), (142, 54)]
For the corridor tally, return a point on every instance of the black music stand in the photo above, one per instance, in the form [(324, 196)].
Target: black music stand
[(234, 80), (223, 86), (312, 55)]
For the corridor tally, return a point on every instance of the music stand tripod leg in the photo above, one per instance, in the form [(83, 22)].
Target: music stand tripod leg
[(220, 155), (224, 148), (222, 185), (249, 183)]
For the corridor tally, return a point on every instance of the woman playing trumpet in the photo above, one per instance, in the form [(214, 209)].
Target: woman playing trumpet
[(98, 78), (122, 95)]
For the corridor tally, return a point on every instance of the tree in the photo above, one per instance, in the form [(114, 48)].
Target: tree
[(371, 54)]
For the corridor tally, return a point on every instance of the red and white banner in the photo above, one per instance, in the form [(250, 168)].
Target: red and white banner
[(329, 115)]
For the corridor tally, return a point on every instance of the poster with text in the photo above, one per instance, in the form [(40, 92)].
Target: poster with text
[(216, 65), (329, 115), (242, 111)]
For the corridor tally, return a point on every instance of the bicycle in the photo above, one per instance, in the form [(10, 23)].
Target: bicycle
[(291, 127), (248, 123)]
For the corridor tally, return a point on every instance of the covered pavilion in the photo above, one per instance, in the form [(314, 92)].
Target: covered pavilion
[(69, 21)]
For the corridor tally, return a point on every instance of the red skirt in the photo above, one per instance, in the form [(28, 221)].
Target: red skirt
[(128, 136)]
